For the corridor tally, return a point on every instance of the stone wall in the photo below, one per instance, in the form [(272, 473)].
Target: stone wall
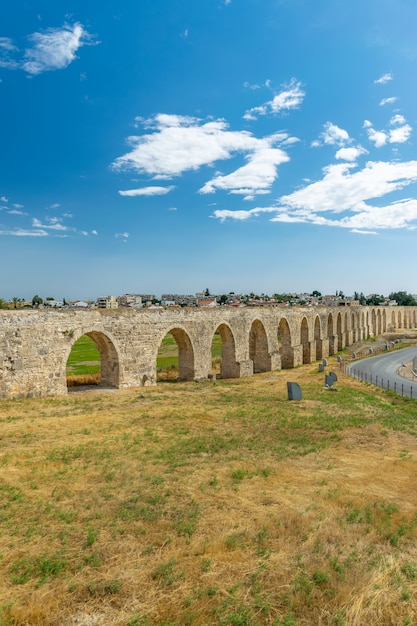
[(35, 345)]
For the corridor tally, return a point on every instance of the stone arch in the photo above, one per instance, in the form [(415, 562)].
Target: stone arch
[(400, 324), (229, 368), (258, 348), (305, 342), (330, 334), (186, 367), (318, 338), (284, 344), (109, 357)]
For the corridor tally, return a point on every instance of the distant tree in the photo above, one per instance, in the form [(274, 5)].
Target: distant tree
[(315, 294), (374, 300), (362, 299), (36, 301), (403, 298), (207, 292), (15, 302), (223, 299), (2, 304)]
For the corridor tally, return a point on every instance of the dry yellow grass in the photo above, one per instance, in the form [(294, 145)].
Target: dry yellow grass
[(214, 503)]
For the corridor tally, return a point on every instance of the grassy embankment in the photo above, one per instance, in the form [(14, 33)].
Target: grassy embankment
[(218, 503)]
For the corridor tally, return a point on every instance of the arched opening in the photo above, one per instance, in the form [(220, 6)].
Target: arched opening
[(258, 348), (93, 360), (284, 345), (304, 340), (223, 353), (330, 334), (339, 332), (175, 358), (374, 326), (318, 339), (353, 327), (378, 323)]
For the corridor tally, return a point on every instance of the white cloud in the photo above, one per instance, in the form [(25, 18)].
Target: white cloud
[(346, 194), (7, 48), (94, 232), (385, 101), (16, 212), (257, 176), (350, 154), (181, 143), (397, 119), (19, 232), (55, 48), (400, 135), (334, 135), (53, 223), (385, 78), (124, 236), (289, 98), (241, 215), (340, 190), (147, 191), (4, 199), (379, 138)]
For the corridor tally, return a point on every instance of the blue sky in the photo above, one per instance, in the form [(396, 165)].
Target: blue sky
[(256, 146)]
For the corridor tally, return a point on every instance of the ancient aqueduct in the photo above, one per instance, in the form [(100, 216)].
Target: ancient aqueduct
[(35, 345)]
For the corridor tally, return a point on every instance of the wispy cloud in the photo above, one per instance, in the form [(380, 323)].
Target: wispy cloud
[(52, 49), (147, 191), (178, 144), (385, 78), (20, 232), (346, 193), (291, 97), (385, 101)]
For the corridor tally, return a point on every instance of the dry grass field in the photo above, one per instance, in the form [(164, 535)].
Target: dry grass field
[(217, 503)]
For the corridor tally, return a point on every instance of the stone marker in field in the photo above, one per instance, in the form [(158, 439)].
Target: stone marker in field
[(330, 379), (294, 391), (324, 362), (321, 367)]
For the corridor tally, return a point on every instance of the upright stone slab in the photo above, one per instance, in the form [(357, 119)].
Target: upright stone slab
[(294, 391)]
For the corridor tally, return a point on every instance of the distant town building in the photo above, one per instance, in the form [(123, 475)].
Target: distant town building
[(131, 300), (107, 302)]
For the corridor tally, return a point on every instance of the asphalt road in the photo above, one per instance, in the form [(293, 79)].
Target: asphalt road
[(382, 371)]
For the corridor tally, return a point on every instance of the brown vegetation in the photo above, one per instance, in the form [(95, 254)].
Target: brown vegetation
[(217, 503)]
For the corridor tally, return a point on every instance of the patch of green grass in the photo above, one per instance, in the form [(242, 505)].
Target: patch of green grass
[(84, 357)]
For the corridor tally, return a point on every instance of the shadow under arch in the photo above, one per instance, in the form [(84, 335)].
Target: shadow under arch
[(186, 369), (318, 338), (284, 344), (305, 341), (229, 368), (258, 348), (109, 358), (330, 334)]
